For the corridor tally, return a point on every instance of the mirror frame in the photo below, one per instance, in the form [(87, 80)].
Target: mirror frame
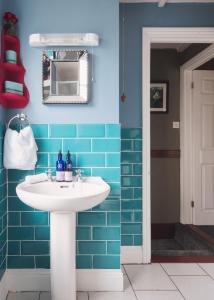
[(78, 99)]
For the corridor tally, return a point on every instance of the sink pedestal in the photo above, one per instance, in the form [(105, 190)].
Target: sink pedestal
[(63, 255), (63, 200)]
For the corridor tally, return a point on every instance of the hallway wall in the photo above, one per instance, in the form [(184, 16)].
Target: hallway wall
[(165, 190), (139, 15)]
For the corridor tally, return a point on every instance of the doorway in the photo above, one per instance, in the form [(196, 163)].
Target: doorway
[(170, 35), (165, 146)]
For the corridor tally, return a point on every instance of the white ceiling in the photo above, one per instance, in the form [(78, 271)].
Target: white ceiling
[(179, 47), (161, 3)]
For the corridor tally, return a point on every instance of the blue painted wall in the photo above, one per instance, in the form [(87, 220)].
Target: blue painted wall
[(54, 16), (2, 111), (3, 187), (150, 15), (3, 207)]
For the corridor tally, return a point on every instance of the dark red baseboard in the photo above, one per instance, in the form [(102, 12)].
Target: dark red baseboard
[(183, 259)]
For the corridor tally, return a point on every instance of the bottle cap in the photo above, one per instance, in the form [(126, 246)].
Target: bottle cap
[(68, 156), (60, 155)]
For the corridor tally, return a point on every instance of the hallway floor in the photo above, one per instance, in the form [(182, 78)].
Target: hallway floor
[(166, 281), (187, 241)]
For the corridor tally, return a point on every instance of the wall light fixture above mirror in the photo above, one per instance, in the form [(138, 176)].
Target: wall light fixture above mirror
[(63, 39), (65, 76)]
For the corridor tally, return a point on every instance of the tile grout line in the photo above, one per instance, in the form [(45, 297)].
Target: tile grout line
[(172, 281), (179, 275), (205, 271), (178, 289), (170, 291), (204, 275), (130, 282)]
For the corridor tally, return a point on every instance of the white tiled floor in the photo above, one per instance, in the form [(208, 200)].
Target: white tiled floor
[(149, 278), (168, 281), (183, 269), (159, 295), (128, 293), (23, 296), (45, 296), (208, 268)]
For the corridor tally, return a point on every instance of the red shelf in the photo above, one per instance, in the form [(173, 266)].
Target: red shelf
[(12, 72), (11, 38), (12, 67), (9, 100)]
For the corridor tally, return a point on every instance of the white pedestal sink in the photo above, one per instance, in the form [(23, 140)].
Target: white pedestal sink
[(63, 200)]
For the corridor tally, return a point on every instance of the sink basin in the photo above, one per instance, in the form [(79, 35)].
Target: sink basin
[(64, 196), (63, 200)]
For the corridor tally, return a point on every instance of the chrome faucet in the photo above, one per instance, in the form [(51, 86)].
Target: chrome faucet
[(79, 175), (49, 173)]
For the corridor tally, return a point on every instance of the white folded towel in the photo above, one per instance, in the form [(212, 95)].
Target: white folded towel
[(20, 149), (36, 178)]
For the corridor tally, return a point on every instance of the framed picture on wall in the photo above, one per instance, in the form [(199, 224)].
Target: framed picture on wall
[(159, 97)]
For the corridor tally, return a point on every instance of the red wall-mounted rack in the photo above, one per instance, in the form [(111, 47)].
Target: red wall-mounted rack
[(12, 72)]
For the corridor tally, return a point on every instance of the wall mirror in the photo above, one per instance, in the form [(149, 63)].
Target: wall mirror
[(65, 76)]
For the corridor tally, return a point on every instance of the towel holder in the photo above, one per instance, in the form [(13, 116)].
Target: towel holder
[(22, 117)]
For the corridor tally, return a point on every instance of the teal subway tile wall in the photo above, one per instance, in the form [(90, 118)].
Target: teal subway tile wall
[(95, 149), (3, 207), (131, 186)]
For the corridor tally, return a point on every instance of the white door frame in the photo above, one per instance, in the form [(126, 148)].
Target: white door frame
[(186, 163), (170, 35)]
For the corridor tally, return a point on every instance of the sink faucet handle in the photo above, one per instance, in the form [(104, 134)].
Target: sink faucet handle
[(79, 173), (49, 173)]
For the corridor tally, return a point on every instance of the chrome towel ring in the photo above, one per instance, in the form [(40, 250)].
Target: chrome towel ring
[(21, 117)]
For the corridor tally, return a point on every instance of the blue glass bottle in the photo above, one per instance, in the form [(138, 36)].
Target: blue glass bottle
[(68, 167), (60, 168)]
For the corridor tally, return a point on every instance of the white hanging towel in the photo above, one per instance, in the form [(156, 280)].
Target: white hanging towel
[(20, 149)]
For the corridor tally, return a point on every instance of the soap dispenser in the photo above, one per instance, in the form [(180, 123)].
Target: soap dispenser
[(68, 167), (60, 168)]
